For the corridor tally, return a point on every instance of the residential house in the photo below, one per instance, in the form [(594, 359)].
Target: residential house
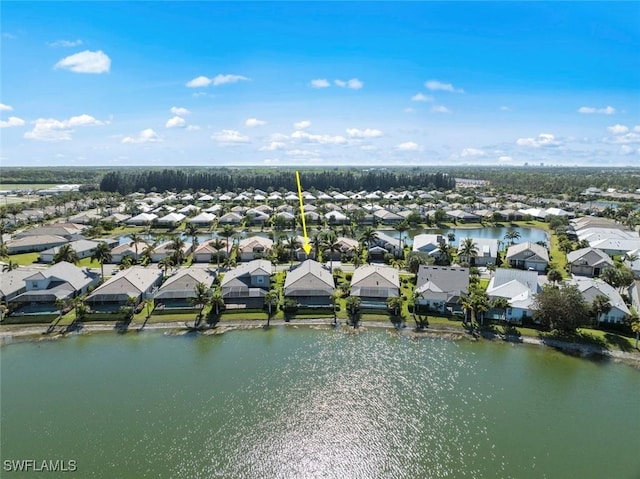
[(588, 262), (529, 256), (178, 290), (230, 219), (62, 281), (389, 243), (487, 252), (129, 286), (440, 288), (206, 253), (28, 244), (616, 246), (591, 288), (310, 285), (463, 216), (132, 249), (374, 284), (203, 220), (254, 247), (12, 282), (83, 248), (246, 285), (519, 288), (69, 231), (163, 250), (142, 219), (170, 220), (386, 217), (428, 243)]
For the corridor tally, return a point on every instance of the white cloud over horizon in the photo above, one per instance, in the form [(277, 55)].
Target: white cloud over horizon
[(179, 111), (229, 137), (366, 133), (176, 122), (301, 125), (542, 140), (421, 97), (65, 43), (86, 62), (4, 107), (353, 84), (50, 129), (254, 122), (320, 83), (11, 122), (145, 136), (408, 146), (589, 110)]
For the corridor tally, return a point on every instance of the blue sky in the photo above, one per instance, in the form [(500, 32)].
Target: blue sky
[(323, 83)]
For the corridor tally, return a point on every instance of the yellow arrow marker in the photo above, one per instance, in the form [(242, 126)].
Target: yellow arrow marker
[(305, 245)]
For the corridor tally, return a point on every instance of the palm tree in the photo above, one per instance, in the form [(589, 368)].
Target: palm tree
[(332, 245), (335, 296), (192, 230), (66, 253), (451, 237), (398, 263), (102, 254), (10, 266), (480, 302), (401, 228), (4, 228), (468, 250), (292, 244), (147, 253), (227, 232), (200, 300), (395, 304), (600, 305), (4, 251), (500, 303), (512, 235), (467, 306), (164, 264), (369, 235), (177, 246), (136, 238), (217, 244), (353, 305), (271, 299), (316, 242), (634, 321), (444, 253), (217, 301)]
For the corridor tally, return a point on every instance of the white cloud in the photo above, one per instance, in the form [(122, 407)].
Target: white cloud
[(618, 129), (628, 150), (179, 111), (409, 110), (230, 136), (320, 83), (86, 62), (176, 122), (199, 82), (366, 133), (65, 43), (50, 129), (145, 136), (253, 122), (408, 146), (301, 125), (421, 97), (472, 152), (589, 110), (368, 148), (435, 85), (274, 145), (221, 79), (322, 139), (217, 80), (4, 107), (353, 84), (543, 139), (193, 128), (440, 109), (505, 158), (11, 122), (279, 137), (303, 153)]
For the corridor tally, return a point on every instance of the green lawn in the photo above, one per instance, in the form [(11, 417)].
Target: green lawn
[(24, 259)]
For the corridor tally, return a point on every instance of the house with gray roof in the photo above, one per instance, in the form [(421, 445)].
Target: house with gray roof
[(528, 255), (62, 281), (69, 231), (310, 285), (83, 248), (177, 291), (12, 282), (254, 247), (129, 286), (374, 284), (163, 250), (487, 252), (591, 288), (428, 243), (246, 285), (28, 244), (519, 288), (132, 249), (206, 253), (440, 288), (588, 262)]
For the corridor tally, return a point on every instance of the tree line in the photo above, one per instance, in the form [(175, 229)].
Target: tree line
[(225, 179)]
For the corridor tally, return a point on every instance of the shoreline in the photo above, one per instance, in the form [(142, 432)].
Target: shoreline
[(583, 350)]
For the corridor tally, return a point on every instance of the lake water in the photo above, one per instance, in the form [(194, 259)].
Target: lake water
[(526, 234), (308, 403)]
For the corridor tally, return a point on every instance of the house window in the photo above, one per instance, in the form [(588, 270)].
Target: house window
[(260, 279)]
